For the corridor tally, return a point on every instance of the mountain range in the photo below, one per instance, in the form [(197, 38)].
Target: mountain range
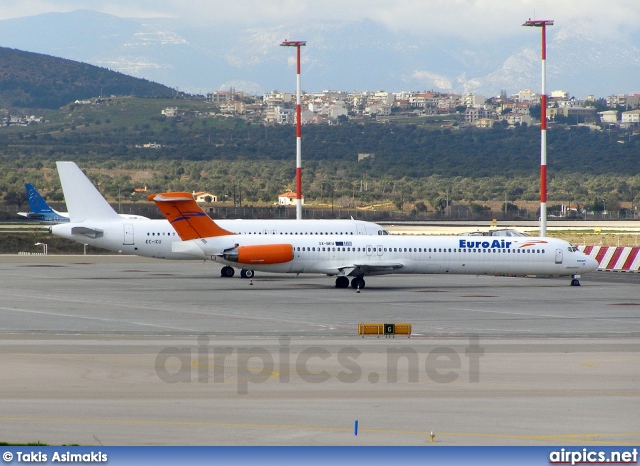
[(354, 55), (39, 81)]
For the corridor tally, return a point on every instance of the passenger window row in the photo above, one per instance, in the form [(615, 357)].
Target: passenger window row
[(420, 250)]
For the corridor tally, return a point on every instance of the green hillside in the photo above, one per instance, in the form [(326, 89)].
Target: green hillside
[(115, 128), (413, 165), (416, 164), (36, 81)]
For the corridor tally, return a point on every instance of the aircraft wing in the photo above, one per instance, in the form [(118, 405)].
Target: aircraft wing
[(365, 269)]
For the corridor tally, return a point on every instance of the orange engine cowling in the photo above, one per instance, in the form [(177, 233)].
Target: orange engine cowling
[(260, 254)]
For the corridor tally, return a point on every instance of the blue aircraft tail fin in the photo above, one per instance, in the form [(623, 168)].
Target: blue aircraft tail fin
[(40, 211), (37, 204)]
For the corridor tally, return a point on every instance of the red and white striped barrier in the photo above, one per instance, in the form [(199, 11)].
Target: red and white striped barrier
[(619, 259)]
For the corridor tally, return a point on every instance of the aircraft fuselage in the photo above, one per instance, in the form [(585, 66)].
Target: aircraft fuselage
[(154, 238), (376, 255)]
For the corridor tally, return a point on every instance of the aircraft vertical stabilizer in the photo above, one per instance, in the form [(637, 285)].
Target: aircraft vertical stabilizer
[(186, 216), (36, 203), (40, 211), (84, 201)]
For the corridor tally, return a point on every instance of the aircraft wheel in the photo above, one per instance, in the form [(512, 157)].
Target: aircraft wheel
[(342, 282), (248, 273), (227, 271), (357, 282), (575, 282)]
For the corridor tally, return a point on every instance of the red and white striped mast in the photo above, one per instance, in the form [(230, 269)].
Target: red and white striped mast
[(298, 44), (543, 23)]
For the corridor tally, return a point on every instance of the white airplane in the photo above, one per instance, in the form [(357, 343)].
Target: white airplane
[(93, 221), (347, 256)]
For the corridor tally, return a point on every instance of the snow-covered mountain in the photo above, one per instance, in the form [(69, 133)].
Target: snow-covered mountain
[(345, 55)]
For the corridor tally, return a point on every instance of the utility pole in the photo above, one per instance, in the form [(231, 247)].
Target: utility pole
[(543, 123), (297, 44)]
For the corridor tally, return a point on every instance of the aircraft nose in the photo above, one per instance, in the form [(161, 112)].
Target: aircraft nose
[(592, 264)]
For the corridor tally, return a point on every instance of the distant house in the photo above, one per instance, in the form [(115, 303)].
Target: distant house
[(484, 123), (609, 116), (288, 198), (282, 116), (219, 96), (336, 110), (232, 107), (632, 117), (170, 112), (580, 114), (149, 145), (513, 118), (306, 116), (377, 109), (203, 197), (473, 114)]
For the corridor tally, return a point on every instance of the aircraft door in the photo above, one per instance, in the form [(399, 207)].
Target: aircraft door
[(379, 250), (360, 229), (369, 250), (558, 256), (128, 234)]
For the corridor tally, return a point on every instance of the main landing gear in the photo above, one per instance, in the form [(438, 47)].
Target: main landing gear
[(228, 272), (343, 282), (574, 280), (244, 273), (357, 282)]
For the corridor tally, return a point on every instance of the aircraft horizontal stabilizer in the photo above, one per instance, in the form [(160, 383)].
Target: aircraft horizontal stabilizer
[(89, 232)]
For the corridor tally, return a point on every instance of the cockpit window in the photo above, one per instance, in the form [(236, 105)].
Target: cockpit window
[(383, 232)]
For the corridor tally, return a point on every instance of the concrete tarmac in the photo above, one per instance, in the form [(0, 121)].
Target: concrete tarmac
[(116, 350)]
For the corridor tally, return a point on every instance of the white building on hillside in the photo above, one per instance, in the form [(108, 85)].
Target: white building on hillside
[(609, 116), (632, 117), (203, 197), (288, 198)]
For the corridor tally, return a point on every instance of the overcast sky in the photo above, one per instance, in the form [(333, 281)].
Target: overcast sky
[(477, 19), (450, 45)]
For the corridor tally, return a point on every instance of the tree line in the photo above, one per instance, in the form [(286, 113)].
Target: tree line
[(413, 166)]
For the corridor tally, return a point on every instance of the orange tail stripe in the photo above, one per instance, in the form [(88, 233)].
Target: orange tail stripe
[(186, 216)]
